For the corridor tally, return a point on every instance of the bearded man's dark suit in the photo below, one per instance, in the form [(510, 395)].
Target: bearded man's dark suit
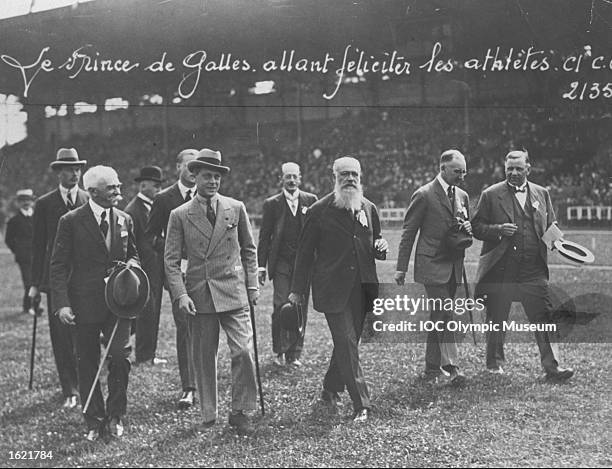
[(515, 268), (18, 238), (147, 323), (278, 240), (155, 234), (432, 214), (338, 252), (79, 264), (47, 212)]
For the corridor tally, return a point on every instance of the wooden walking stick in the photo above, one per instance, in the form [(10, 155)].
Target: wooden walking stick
[(259, 388)]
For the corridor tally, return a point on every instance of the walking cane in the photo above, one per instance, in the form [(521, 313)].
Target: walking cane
[(467, 295), (33, 351), (95, 382), (261, 399)]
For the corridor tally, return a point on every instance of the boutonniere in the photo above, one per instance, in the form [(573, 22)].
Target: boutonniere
[(463, 211), (120, 221), (362, 218), (231, 225), (535, 204), (304, 210)]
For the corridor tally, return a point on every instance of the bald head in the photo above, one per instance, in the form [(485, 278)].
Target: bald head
[(290, 177), (517, 167), (347, 163)]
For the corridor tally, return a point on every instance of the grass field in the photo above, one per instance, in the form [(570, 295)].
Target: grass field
[(516, 419)]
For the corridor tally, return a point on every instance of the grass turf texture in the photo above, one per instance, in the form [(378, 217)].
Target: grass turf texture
[(516, 419)]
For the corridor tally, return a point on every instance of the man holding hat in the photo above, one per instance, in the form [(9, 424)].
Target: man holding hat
[(283, 218), (433, 210), (511, 218), (339, 243), (18, 238), (167, 200), (221, 280), (90, 241), (47, 212), (147, 325)]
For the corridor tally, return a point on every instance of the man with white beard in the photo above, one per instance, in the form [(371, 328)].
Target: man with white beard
[(339, 242)]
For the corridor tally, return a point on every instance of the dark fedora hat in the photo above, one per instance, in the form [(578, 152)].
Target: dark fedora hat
[(292, 317), (208, 159), (67, 157), (127, 291), (150, 173)]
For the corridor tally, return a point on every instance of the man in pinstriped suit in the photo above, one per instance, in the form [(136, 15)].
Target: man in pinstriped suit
[(221, 280)]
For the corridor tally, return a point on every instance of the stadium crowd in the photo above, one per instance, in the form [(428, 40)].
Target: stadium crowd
[(570, 149)]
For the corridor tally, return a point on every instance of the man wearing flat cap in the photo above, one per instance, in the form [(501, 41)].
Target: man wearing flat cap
[(282, 221), (511, 218), (221, 280), (338, 246), (18, 238), (90, 241), (167, 200), (147, 324), (47, 212)]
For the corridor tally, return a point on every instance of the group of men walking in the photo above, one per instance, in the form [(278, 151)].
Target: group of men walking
[(199, 245)]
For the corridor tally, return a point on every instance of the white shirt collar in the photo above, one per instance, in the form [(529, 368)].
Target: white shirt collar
[(143, 197), (521, 187), (73, 192), (444, 184), (97, 211), (183, 188), (213, 201), (27, 213), (291, 197)]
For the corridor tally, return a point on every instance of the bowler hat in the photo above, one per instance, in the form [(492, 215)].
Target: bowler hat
[(25, 194), (127, 291), (573, 253), (208, 159), (67, 157), (291, 317), (150, 173)]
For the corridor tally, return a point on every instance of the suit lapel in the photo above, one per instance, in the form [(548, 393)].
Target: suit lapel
[(282, 207), (117, 224), (221, 222), (89, 220), (443, 196), (197, 216), (342, 218), (506, 203), (59, 202), (81, 198), (538, 206)]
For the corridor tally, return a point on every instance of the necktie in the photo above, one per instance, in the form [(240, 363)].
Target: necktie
[(451, 195), (210, 213), (103, 224), (188, 195), (69, 202)]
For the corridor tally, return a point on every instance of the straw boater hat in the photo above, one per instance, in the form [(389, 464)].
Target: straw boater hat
[(208, 159), (573, 253), (127, 291), (67, 157), (24, 194)]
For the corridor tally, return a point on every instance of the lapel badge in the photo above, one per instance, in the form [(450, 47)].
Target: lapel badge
[(120, 220), (535, 204), (362, 218), (304, 210)]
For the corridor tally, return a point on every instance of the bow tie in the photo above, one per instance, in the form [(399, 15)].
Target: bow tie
[(518, 189)]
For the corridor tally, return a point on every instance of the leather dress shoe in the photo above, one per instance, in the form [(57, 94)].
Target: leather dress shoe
[(206, 425), (496, 371), (295, 363), (116, 428), (186, 400), (559, 374), (93, 435), (361, 415), (70, 402), (457, 378), (278, 360), (158, 361), (240, 421)]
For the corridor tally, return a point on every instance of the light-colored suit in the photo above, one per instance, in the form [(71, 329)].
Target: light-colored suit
[(221, 265), (431, 213)]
